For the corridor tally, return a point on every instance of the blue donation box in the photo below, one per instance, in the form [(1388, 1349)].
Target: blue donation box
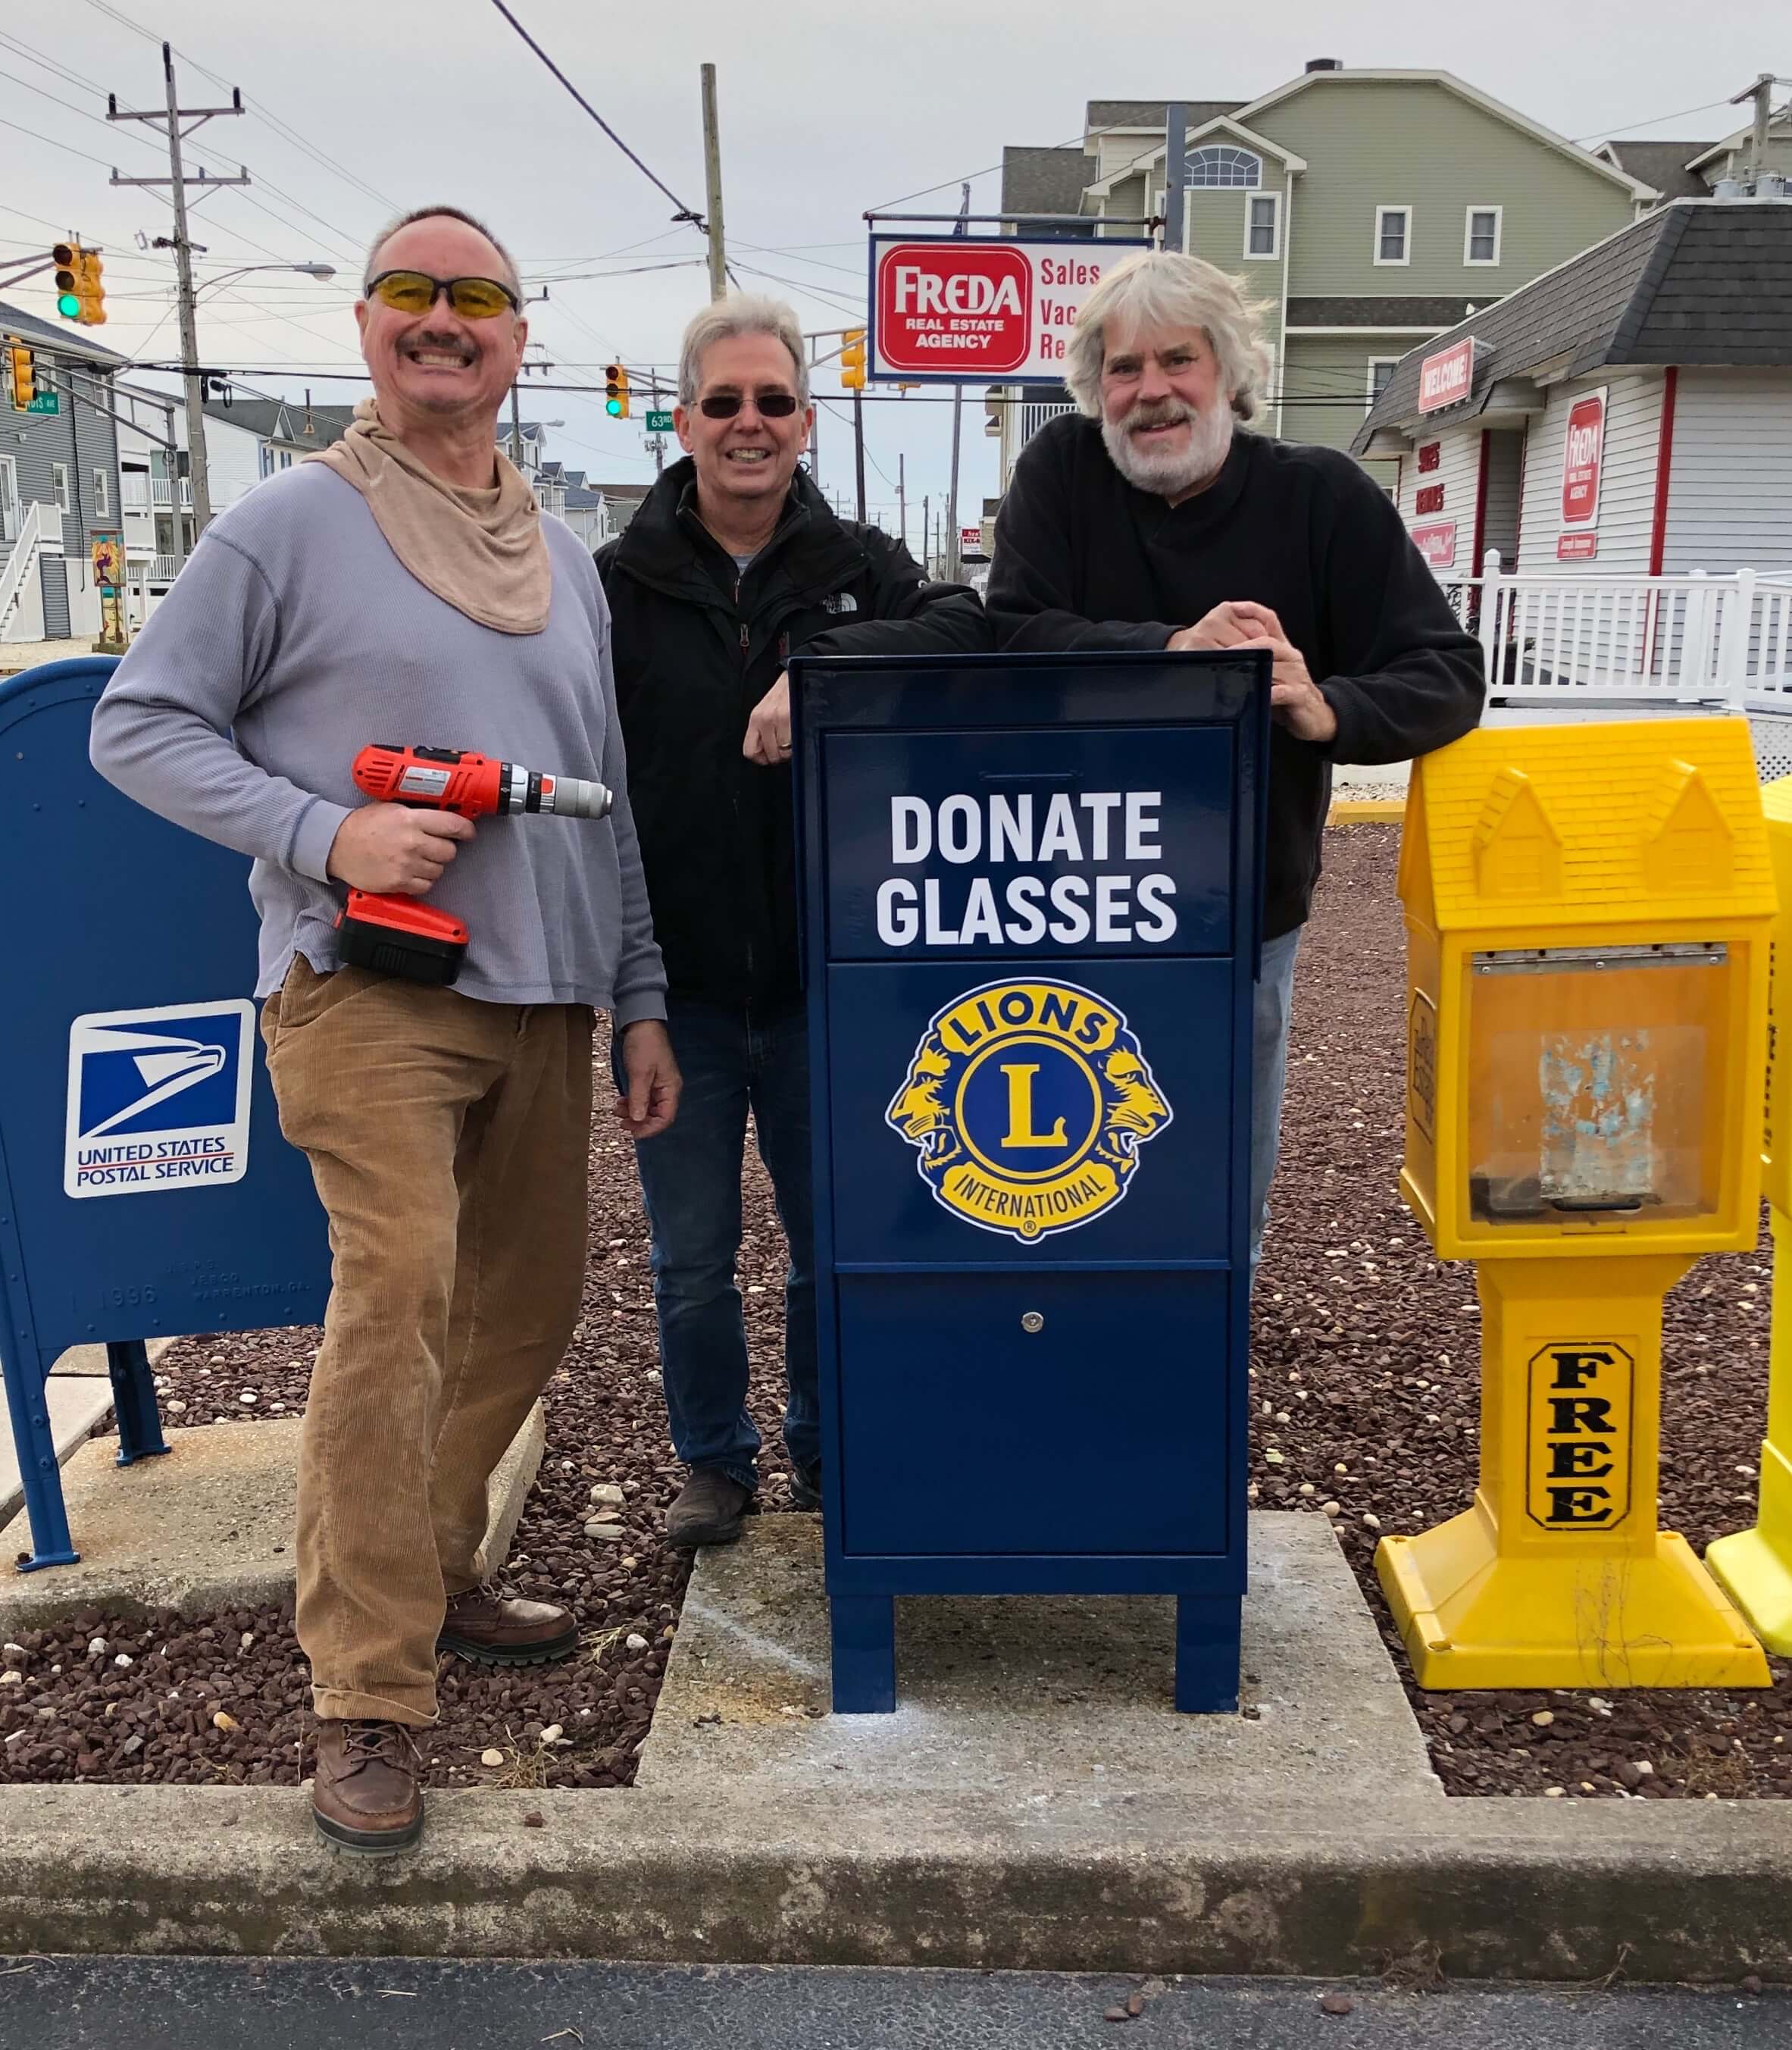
[(1031, 888)]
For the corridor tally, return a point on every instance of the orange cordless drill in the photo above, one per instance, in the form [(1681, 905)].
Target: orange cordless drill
[(402, 935)]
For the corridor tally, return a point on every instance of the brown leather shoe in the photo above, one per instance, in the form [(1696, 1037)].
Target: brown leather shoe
[(503, 1629), (708, 1510), (364, 1794)]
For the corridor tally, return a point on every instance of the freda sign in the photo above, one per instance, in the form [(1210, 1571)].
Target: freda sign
[(965, 307)]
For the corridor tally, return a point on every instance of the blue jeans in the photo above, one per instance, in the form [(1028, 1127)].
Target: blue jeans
[(731, 1061), (1273, 1008)]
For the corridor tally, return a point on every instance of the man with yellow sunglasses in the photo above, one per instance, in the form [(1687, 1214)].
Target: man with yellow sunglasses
[(406, 588)]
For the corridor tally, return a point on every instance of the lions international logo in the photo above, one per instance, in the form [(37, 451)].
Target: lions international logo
[(1027, 1103)]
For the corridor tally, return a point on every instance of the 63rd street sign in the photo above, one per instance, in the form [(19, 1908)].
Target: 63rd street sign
[(959, 308)]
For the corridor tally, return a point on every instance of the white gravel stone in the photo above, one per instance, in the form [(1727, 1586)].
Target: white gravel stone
[(491, 1758), (607, 1490), (96, 1647), (635, 1641), (12, 1679), (249, 1397), (605, 1533), (124, 1660)]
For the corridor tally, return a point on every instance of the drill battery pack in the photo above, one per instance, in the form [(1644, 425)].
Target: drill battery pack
[(403, 937)]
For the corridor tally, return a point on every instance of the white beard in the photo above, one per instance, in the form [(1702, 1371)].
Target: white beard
[(1171, 474)]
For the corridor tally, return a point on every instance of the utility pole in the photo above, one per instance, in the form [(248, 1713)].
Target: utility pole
[(1762, 93), (658, 444), (169, 122), (712, 174), (858, 450), (903, 496), (1175, 171), (927, 535), (952, 567), (515, 427)]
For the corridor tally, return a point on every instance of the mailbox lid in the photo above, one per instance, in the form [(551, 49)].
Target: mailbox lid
[(1059, 841), (1133, 1062), (1103, 1433)]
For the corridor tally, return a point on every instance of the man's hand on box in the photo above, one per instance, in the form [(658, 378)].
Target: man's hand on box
[(768, 731), (395, 851), (1295, 701), (654, 1082)]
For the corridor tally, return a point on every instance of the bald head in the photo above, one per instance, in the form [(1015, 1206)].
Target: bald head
[(377, 259)]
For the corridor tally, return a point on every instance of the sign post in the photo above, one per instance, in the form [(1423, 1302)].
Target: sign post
[(1588, 912), (144, 1188), (1031, 888)]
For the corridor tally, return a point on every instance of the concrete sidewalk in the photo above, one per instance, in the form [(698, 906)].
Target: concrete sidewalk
[(1210, 1847)]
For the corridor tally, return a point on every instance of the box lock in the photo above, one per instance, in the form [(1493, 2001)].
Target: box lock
[(1032, 1322)]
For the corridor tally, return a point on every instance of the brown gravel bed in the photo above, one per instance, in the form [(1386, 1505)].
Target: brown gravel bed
[(1366, 1368)]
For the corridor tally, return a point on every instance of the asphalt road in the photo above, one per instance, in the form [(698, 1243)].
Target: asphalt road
[(213, 2004)]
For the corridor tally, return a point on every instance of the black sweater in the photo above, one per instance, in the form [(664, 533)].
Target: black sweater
[(1083, 559), (696, 645)]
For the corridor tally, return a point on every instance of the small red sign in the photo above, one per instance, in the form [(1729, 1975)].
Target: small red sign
[(1583, 459), (1431, 455), (1447, 378), (1430, 499), (953, 305), (1436, 542), (1576, 547)]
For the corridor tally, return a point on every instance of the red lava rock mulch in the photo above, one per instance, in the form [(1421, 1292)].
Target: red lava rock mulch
[(1365, 1381)]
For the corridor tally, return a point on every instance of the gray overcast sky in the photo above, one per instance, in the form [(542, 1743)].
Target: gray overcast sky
[(826, 109)]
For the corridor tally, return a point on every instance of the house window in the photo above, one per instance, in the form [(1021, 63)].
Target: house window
[(1481, 235), (1262, 213), (101, 496), (1222, 164), (59, 485), (265, 455), (1381, 369), (1393, 238)]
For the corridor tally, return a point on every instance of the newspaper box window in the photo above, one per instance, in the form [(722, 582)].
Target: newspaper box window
[(1031, 888)]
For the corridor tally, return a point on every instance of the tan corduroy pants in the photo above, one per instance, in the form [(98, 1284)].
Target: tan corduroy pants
[(448, 1138)]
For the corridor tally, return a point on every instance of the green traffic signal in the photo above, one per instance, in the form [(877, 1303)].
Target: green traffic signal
[(613, 408), (68, 305)]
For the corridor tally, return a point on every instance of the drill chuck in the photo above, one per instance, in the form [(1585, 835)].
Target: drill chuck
[(565, 797)]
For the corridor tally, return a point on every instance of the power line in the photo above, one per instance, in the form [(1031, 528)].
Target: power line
[(684, 213), (1611, 130)]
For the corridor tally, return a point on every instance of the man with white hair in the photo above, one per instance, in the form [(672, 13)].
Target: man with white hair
[(1154, 518), (733, 561)]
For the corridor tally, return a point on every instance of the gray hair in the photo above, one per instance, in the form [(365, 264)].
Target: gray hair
[(512, 277), (1161, 288), (740, 312)]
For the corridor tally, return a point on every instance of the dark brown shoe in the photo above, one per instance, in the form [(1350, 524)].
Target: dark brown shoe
[(708, 1510), (503, 1629), (364, 1794)]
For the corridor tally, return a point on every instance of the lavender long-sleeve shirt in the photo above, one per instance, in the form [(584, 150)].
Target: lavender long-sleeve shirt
[(292, 638)]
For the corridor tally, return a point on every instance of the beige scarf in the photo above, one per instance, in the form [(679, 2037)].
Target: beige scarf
[(482, 551)]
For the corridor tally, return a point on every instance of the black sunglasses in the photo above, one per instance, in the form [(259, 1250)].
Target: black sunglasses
[(416, 292), (725, 405)]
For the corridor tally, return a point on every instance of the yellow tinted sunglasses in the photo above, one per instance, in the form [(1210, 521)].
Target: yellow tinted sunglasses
[(416, 291)]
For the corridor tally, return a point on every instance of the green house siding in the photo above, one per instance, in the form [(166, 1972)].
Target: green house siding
[(1385, 143)]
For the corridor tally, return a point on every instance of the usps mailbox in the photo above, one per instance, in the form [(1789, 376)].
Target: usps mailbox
[(145, 1188), (1031, 890)]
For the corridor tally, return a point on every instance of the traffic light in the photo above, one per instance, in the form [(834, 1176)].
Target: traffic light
[(852, 360), (67, 296), (89, 290), (616, 391), (21, 376)]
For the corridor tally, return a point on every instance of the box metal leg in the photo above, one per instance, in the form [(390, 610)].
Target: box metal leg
[(863, 1630), (134, 1400), (28, 1401), (1207, 1634)]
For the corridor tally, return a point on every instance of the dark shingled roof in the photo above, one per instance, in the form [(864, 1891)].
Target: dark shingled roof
[(1705, 283), (1155, 113), (1043, 180), (1663, 166), (1379, 313)]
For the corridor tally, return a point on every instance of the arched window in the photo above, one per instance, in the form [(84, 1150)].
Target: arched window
[(1223, 164)]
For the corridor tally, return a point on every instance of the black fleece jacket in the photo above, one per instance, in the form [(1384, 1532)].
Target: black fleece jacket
[(696, 645), (1084, 559)]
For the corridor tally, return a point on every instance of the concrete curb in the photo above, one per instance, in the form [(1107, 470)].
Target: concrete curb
[(1500, 1888), (1360, 811)]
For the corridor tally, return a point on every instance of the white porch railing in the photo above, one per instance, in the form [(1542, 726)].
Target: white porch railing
[(22, 564), (1553, 639), (161, 490)]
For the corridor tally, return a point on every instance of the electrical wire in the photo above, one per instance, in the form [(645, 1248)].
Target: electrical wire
[(684, 213)]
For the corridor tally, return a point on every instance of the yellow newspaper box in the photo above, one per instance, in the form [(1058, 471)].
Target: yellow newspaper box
[(1588, 912), (1755, 1566)]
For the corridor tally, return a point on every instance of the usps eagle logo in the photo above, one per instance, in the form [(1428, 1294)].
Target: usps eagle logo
[(1027, 1102)]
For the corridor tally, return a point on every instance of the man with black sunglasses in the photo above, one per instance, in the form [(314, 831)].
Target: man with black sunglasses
[(406, 588), (733, 561)]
